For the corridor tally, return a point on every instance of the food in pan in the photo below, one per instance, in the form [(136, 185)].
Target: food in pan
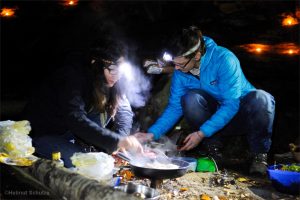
[(158, 165)]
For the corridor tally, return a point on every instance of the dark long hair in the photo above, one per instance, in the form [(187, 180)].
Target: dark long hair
[(103, 97)]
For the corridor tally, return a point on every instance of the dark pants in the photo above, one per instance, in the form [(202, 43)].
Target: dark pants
[(254, 118), (66, 144)]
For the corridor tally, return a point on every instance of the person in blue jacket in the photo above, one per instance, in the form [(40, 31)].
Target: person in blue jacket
[(70, 111), (211, 92)]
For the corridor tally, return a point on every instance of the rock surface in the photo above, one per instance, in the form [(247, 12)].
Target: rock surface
[(228, 185)]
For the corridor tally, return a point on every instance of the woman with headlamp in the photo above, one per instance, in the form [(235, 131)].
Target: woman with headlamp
[(71, 111), (211, 92)]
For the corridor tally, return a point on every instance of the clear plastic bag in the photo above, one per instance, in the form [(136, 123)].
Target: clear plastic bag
[(14, 139), (99, 166)]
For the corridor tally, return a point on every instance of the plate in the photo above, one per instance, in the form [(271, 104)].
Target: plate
[(25, 161)]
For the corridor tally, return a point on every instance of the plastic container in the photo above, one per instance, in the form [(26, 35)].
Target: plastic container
[(206, 165), (192, 162), (284, 181), (56, 157)]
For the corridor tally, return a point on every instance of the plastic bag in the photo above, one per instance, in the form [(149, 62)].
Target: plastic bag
[(14, 139), (99, 166)]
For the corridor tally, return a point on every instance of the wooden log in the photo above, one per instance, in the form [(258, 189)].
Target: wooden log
[(17, 183), (70, 185)]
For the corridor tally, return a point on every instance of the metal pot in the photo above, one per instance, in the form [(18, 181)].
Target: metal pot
[(139, 190)]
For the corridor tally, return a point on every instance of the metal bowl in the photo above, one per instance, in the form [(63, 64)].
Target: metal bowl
[(141, 191)]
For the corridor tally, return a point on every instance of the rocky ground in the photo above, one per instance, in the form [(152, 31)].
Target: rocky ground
[(229, 185), (223, 185)]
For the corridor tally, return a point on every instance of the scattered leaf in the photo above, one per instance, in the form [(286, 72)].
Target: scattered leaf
[(241, 179), (183, 189), (222, 198), (204, 197)]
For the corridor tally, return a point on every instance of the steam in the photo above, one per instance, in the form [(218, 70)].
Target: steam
[(135, 84), (155, 153)]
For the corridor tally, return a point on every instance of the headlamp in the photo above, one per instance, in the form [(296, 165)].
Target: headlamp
[(167, 57), (120, 68), (191, 50), (126, 69)]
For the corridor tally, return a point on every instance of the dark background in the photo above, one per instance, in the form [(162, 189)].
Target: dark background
[(35, 41)]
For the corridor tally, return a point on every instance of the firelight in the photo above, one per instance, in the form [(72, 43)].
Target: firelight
[(7, 12), (256, 48), (291, 51), (289, 21), (70, 2)]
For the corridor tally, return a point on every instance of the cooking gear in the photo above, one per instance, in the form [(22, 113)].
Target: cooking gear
[(139, 190), (156, 174)]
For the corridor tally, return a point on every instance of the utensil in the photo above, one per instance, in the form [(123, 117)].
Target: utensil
[(155, 145), (160, 156), (123, 156)]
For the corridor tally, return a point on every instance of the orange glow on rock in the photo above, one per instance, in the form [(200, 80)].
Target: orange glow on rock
[(70, 2), (289, 20), (282, 48), (7, 12), (298, 13), (287, 48), (256, 48)]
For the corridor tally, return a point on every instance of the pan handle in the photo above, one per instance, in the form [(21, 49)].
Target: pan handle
[(123, 156)]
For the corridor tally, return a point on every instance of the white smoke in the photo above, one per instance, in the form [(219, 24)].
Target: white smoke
[(135, 84)]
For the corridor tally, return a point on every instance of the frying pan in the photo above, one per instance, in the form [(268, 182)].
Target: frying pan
[(157, 174)]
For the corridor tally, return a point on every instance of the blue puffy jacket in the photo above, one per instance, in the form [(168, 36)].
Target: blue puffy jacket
[(220, 76)]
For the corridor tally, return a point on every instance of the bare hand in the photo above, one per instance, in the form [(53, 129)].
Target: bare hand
[(131, 144), (153, 67), (192, 140), (143, 137), (148, 63)]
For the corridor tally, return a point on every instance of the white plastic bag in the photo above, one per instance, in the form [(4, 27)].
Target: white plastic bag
[(14, 139), (98, 166)]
